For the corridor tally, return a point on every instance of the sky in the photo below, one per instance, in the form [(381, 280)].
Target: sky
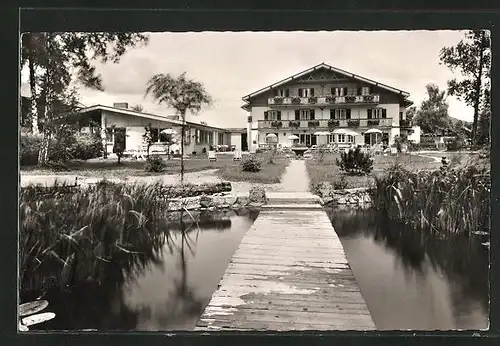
[(234, 64)]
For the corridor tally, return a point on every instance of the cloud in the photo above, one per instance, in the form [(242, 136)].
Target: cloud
[(234, 64)]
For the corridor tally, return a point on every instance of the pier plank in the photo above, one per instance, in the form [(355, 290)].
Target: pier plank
[(290, 272)]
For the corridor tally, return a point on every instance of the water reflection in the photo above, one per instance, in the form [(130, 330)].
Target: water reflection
[(164, 288), (411, 282)]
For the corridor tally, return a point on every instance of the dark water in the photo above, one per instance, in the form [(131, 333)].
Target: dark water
[(413, 283), (407, 281), (168, 292)]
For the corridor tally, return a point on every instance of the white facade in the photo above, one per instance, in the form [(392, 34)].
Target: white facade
[(325, 99), (197, 136), (415, 135)]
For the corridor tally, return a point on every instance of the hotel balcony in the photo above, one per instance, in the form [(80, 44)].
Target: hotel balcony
[(323, 100), (323, 124)]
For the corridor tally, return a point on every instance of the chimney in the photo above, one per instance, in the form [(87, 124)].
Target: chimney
[(120, 105)]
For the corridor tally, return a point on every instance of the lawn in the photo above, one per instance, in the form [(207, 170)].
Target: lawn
[(228, 169), (329, 171), (269, 174)]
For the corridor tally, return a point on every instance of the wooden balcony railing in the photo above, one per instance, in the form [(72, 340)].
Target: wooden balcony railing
[(323, 123), (323, 100)]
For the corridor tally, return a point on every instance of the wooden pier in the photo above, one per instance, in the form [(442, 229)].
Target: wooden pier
[(290, 272)]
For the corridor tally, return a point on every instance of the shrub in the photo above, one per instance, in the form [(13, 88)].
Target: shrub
[(86, 146), (412, 146), (355, 162), (340, 184), (154, 163), (28, 150), (271, 156), (251, 165), (456, 144)]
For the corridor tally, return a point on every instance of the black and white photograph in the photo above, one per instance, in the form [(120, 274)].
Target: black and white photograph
[(254, 181)]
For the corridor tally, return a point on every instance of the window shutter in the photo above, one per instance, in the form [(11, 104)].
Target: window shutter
[(345, 91), (384, 113), (369, 113), (312, 114), (368, 90), (297, 114), (332, 113), (332, 91), (266, 115), (300, 92), (311, 92), (275, 92), (348, 113), (278, 115), (359, 91), (287, 92)]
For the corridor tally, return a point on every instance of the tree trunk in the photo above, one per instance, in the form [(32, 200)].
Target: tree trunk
[(43, 154), (183, 116), (33, 107), (478, 93)]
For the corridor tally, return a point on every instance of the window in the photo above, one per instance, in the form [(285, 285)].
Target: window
[(306, 92), (339, 91), (341, 138), (350, 139), (365, 91), (221, 138), (340, 114), (377, 113), (305, 114), (352, 91), (272, 115), (282, 92)]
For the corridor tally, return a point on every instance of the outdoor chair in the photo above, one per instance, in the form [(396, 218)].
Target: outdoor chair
[(237, 155), (140, 153), (212, 156)]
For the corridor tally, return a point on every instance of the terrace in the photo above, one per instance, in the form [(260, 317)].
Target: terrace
[(323, 100), (323, 123)]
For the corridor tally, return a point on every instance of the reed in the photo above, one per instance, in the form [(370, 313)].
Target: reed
[(449, 200), (69, 236)]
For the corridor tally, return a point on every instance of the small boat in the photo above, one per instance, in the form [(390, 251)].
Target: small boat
[(32, 307), (38, 318)]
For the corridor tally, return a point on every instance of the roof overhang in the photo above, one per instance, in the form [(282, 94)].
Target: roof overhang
[(144, 115), (331, 68)]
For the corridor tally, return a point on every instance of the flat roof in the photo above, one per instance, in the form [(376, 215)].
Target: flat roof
[(145, 115)]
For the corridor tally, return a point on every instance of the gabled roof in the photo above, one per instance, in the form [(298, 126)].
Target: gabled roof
[(151, 116), (331, 68)]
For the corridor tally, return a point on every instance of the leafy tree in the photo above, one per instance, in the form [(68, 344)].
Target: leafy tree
[(56, 61), (472, 57), (183, 95), (432, 117), (137, 108), (119, 145), (410, 113), (148, 138)]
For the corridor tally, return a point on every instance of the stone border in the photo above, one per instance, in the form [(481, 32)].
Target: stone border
[(360, 196), (255, 199)]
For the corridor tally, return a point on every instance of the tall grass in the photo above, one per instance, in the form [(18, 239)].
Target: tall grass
[(440, 201), (69, 236)]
